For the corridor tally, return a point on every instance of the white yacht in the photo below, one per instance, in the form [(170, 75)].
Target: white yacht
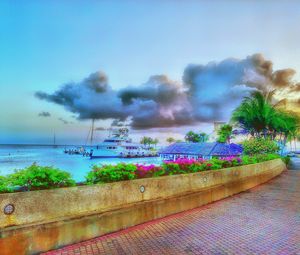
[(119, 145)]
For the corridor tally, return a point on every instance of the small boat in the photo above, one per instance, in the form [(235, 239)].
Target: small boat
[(81, 150), (77, 151)]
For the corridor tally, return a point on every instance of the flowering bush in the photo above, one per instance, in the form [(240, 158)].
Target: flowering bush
[(180, 166), (144, 171), (231, 161), (258, 146), (37, 177)]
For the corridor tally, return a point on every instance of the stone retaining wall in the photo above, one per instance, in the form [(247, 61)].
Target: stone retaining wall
[(49, 219)]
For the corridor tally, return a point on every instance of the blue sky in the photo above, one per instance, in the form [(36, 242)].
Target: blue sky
[(44, 44)]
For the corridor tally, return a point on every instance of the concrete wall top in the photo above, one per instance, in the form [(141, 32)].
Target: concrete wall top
[(50, 205)]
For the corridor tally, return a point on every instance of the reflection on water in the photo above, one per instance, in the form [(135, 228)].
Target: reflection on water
[(20, 156)]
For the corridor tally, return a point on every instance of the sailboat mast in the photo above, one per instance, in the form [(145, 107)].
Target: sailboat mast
[(54, 139), (92, 131)]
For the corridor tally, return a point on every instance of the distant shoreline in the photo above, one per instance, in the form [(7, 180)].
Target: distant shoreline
[(46, 145)]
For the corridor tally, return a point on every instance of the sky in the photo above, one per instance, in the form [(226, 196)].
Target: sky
[(47, 44)]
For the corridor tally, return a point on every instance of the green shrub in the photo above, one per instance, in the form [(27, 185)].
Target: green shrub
[(4, 185), (37, 177), (266, 157), (286, 160), (215, 164), (172, 168), (111, 173), (197, 168), (247, 160), (158, 173), (260, 146)]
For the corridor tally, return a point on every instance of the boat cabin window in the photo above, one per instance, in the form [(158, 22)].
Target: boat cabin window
[(131, 147)]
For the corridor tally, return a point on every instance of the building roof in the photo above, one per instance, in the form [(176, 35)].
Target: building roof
[(222, 149), (203, 149)]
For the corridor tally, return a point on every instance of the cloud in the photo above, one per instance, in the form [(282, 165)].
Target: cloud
[(283, 78), (295, 88), (160, 102), (158, 88), (92, 98), (118, 123), (215, 89), (206, 93), (44, 114)]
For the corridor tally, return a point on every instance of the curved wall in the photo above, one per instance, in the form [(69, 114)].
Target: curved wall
[(49, 219)]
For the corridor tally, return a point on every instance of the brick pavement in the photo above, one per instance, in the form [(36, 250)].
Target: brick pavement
[(263, 220)]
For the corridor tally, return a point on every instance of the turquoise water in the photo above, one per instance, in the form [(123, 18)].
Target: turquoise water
[(19, 156)]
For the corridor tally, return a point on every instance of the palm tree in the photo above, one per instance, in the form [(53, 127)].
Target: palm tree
[(203, 137), (224, 134), (192, 137), (254, 114), (155, 141), (146, 140), (170, 140), (286, 125), (260, 118)]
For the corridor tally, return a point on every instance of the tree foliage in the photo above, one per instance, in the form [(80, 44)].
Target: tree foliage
[(196, 137), (260, 118), (203, 137), (111, 173), (259, 145), (149, 141), (170, 140), (37, 177), (224, 134)]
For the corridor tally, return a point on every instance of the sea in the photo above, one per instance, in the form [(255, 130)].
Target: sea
[(14, 157)]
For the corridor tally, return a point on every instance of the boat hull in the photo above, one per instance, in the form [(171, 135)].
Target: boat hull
[(100, 156)]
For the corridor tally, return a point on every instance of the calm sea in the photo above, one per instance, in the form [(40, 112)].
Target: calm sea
[(19, 156)]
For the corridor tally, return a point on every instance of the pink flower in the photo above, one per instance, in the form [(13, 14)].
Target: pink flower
[(146, 170)]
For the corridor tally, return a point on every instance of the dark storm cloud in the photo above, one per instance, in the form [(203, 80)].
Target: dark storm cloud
[(252, 72), (92, 98), (160, 102), (44, 114), (216, 89), (158, 88), (118, 123), (150, 114), (218, 86), (208, 93)]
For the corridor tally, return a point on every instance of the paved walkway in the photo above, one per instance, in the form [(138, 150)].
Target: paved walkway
[(264, 220), (295, 163)]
